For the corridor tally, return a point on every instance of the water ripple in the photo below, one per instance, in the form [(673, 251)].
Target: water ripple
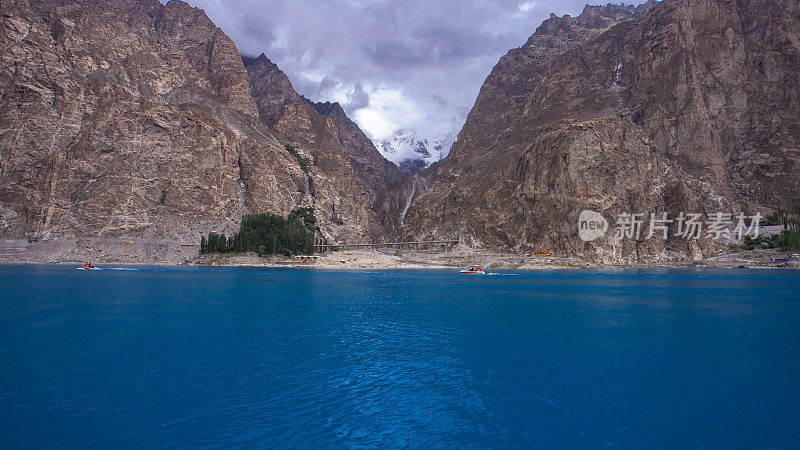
[(243, 358)]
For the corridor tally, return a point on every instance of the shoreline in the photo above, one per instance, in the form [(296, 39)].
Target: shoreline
[(365, 260), (343, 268), (144, 252)]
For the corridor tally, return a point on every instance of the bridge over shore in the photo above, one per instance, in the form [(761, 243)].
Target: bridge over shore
[(446, 244)]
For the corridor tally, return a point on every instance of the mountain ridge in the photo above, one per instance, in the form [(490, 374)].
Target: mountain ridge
[(133, 118), (651, 126)]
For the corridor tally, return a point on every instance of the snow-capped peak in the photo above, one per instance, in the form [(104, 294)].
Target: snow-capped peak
[(412, 153)]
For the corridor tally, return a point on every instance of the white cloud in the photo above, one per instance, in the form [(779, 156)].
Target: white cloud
[(388, 110), (375, 124)]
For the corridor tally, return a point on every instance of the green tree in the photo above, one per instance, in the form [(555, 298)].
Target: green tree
[(268, 234)]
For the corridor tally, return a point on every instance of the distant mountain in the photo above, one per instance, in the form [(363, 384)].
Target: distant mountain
[(413, 153)]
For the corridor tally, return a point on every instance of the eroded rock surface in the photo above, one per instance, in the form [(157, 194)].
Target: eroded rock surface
[(133, 118), (127, 118), (678, 106), (348, 176)]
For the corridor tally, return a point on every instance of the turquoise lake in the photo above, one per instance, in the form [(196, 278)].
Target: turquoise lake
[(154, 357)]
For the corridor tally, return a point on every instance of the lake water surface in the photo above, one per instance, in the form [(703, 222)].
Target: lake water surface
[(237, 357)]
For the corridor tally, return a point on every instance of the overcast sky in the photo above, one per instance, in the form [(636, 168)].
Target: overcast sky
[(392, 64)]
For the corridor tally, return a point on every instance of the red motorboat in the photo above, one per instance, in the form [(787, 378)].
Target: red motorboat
[(473, 270)]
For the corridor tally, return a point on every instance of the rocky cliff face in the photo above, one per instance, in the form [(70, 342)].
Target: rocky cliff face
[(348, 175), (133, 118), (378, 181), (690, 107)]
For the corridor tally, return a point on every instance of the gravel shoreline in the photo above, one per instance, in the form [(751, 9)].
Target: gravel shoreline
[(165, 252)]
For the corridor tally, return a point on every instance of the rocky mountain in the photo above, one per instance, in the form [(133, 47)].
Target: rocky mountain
[(348, 174), (678, 106), (412, 153), (133, 118)]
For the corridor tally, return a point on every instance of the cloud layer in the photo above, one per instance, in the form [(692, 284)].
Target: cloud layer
[(392, 64)]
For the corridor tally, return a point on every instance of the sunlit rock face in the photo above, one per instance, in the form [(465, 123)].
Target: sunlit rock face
[(123, 117), (678, 106), (127, 118)]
